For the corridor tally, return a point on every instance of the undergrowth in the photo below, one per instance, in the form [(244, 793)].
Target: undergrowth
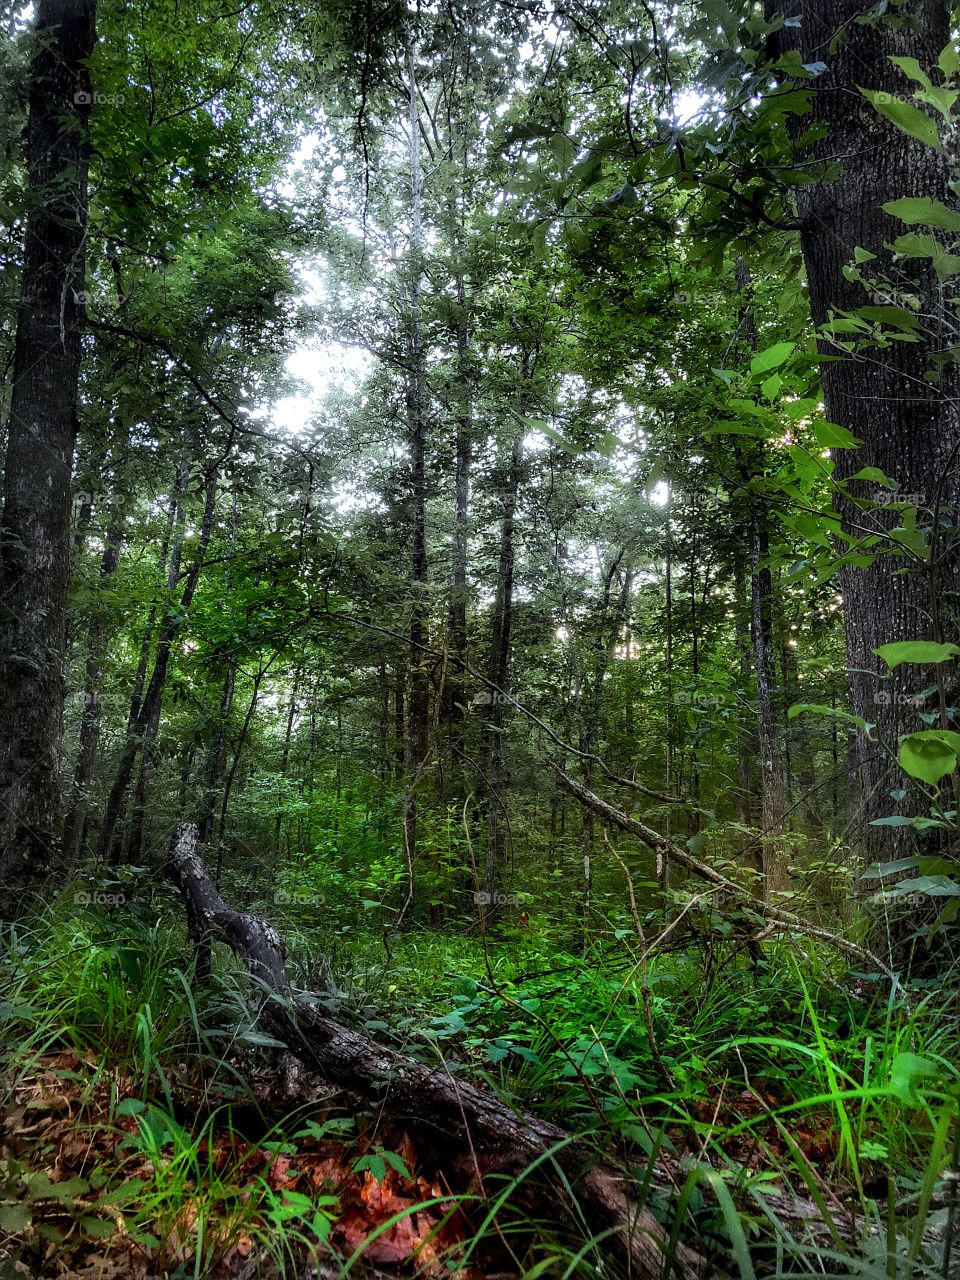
[(785, 1117)]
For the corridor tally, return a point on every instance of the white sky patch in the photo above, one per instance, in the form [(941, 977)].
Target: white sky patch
[(659, 494), (687, 105), (320, 370)]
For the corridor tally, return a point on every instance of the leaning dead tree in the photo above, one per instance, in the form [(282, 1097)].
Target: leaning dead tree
[(475, 1126)]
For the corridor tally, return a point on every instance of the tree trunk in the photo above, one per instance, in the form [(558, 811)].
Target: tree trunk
[(773, 799), (418, 708), (498, 673), (153, 697), (901, 402), (74, 827), (35, 555)]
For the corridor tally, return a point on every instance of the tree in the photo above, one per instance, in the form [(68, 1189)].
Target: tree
[(34, 558), (894, 384)]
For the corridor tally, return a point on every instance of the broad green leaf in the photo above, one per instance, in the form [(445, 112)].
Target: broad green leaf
[(922, 211), (830, 435), (911, 67), (875, 475), (821, 709), (932, 886), (907, 118), (893, 868), (14, 1218), (898, 316), (906, 1070), (912, 245), (772, 358), (927, 756), (922, 651), (949, 59)]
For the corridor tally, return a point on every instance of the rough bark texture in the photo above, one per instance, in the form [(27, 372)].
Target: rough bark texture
[(909, 425), (418, 695), (473, 1123), (36, 512), (498, 670), (149, 709), (75, 824)]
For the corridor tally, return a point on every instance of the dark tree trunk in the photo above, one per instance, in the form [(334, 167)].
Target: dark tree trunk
[(773, 800), (909, 422), (498, 672), (74, 827), (35, 553), (152, 700), (418, 703)]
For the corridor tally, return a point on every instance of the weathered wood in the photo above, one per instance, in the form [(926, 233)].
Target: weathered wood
[(475, 1124)]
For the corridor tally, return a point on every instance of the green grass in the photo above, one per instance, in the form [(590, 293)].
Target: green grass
[(563, 1033)]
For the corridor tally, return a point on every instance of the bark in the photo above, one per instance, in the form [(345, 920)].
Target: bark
[(151, 703), (35, 553), (418, 707), (908, 420), (74, 828), (746, 737), (498, 673), (773, 798), (217, 759), (474, 1125)]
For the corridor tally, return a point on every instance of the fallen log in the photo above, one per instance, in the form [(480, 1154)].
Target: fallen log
[(776, 918), (474, 1124)]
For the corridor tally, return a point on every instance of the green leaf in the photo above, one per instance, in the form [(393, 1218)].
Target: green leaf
[(14, 1218), (880, 869), (927, 756), (907, 118), (374, 1163), (949, 59), (875, 475), (772, 358), (905, 1072), (911, 67), (923, 651), (922, 211), (932, 886), (913, 245), (395, 1162), (830, 435), (130, 1107), (821, 709)]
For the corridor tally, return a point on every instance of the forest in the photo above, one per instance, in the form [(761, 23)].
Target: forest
[(480, 639)]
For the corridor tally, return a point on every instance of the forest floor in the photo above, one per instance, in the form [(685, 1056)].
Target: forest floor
[(151, 1129)]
